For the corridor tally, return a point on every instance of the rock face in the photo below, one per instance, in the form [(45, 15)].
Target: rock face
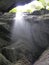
[(27, 36), (23, 61), (4, 61), (17, 51), (40, 12), (43, 59)]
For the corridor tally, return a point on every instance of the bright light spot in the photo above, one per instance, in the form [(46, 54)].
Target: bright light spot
[(18, 16), (19, 8), (46, 1), (47, 7), (30, 7), (36, 4), (19, 19), (23, 8)]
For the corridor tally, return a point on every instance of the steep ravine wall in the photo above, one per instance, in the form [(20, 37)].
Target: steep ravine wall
[(29, 39)]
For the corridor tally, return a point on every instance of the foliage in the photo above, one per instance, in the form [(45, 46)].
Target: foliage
[(13, 10), (45, 3), (34, 5)]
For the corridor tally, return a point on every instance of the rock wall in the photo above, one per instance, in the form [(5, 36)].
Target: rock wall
[(29, 39), (43, 59)]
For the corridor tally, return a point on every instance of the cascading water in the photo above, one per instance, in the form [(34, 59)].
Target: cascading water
[(21, 27)]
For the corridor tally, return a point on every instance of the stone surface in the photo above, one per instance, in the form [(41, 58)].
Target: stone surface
[(40, 12), (30, 36), (3, 43), (23, 61), (43, 59), (4, 61), (16, 51), (5, 37), (34, 33)]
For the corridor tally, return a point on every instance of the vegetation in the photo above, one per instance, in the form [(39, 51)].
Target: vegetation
[(35, 5)]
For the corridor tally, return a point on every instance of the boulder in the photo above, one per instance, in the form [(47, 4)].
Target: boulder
[(43, 59)]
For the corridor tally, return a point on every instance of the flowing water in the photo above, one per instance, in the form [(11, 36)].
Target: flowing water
[(21, 27)]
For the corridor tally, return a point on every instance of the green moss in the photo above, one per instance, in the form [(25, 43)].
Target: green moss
[(36, 5), (13, 10)]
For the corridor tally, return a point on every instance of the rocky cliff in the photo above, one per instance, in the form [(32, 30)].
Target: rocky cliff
[(26, 40)]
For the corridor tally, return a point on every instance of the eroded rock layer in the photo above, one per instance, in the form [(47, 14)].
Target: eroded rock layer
[(26, 36)]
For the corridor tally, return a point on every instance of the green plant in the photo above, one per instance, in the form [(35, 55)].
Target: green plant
[(34, 5), (45, 3)]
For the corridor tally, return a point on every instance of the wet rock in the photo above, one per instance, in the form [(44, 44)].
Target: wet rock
[(5, 37), (3, 43), (33, 32), (23, 61), (16, 51), (4, 61), (43, 59), (40, 12)]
